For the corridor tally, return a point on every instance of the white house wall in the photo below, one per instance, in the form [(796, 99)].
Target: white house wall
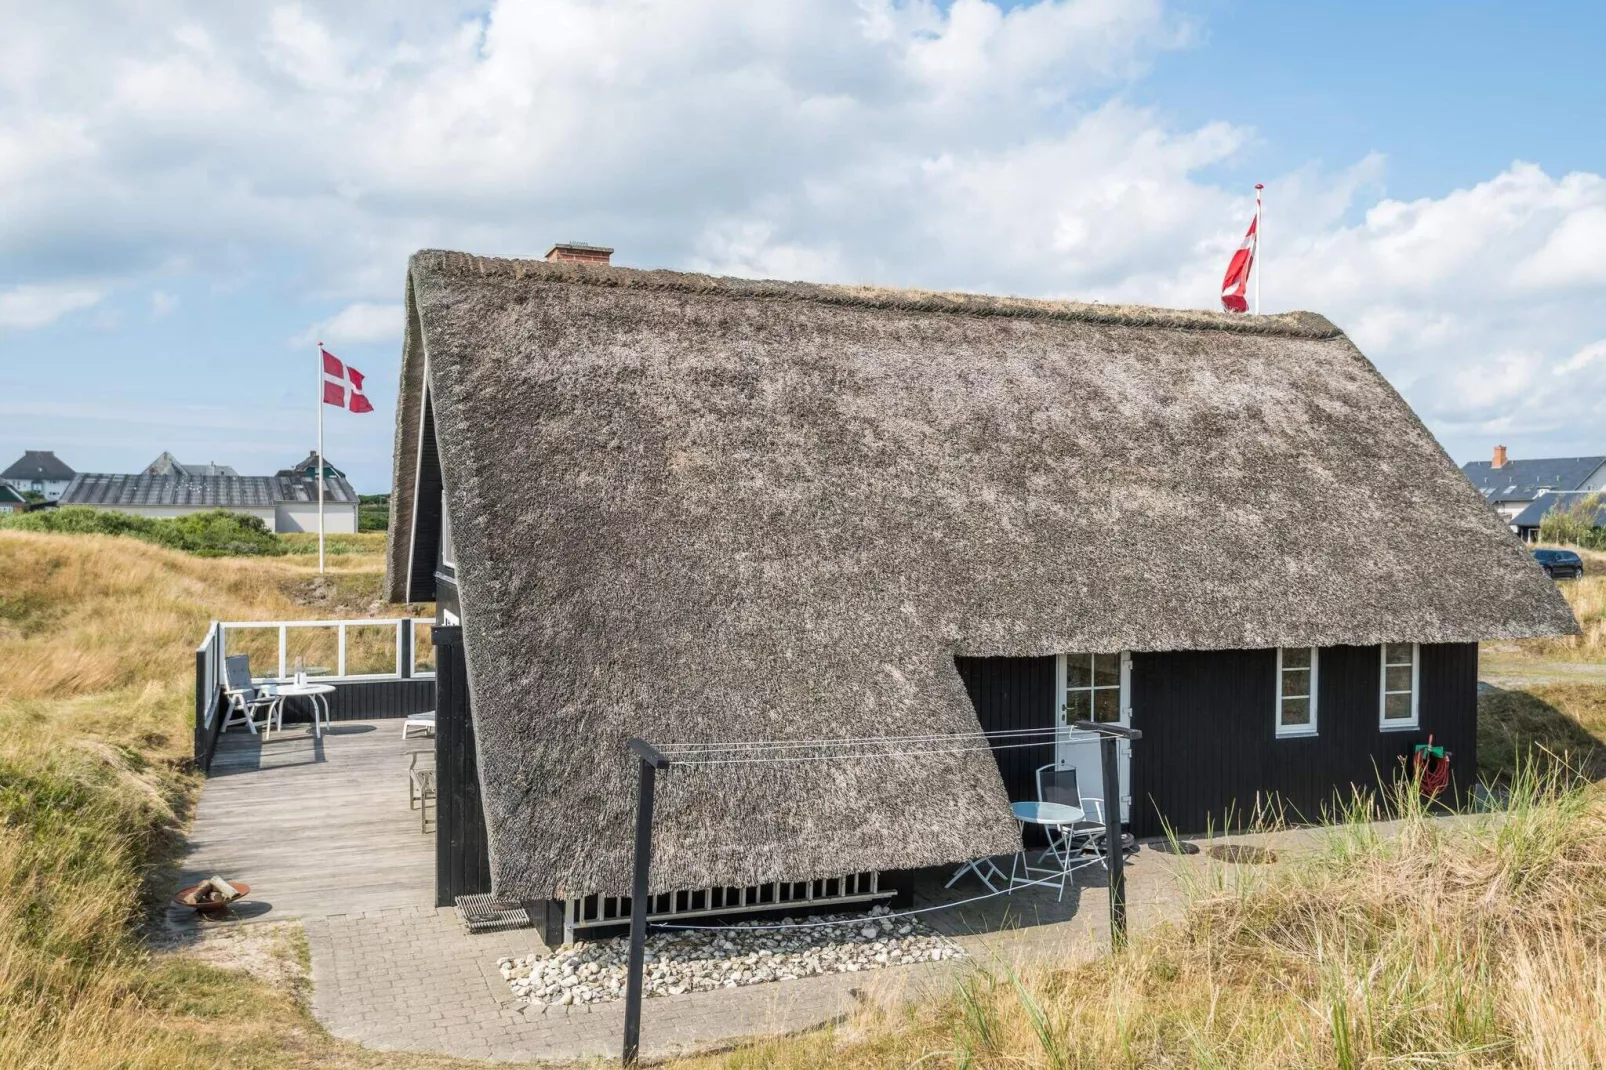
[(338, 518), (51, 488)]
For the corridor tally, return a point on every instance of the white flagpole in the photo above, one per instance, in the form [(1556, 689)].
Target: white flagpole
[(320, 457), (1260, 233)]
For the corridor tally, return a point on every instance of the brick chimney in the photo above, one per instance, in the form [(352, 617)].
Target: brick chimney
[(1499, 454), (578, 252)]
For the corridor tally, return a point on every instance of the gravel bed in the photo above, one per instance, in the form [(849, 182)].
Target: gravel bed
[(730, 957)]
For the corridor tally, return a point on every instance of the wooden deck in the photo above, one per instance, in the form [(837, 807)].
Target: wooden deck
[(316, 827)]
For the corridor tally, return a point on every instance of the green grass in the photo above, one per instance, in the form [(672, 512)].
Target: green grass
[(215, 533)]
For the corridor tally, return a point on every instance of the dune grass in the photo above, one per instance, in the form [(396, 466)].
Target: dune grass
[(1434, 943), (1474, 943)]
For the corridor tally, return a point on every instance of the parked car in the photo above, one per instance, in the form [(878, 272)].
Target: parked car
[(1560, 564)]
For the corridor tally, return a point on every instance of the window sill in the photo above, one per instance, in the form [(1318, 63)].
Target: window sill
[(1412, 727), (1303, 734)]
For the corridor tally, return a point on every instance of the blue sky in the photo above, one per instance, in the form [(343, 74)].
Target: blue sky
[(194, 195)]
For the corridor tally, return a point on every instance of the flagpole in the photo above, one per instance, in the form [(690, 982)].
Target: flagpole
[(1260, 234), (320, 457)]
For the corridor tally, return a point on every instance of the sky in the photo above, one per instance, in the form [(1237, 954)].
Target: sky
[(193, 194)]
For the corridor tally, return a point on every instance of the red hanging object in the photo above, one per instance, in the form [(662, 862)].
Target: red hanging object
[(1431, 766)]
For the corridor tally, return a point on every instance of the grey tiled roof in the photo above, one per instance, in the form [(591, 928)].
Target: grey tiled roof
[(38, 464), (1559, 501), (224, 492), (1522, 481)]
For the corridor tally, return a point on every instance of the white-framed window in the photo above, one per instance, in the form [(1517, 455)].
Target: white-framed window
[(1296, 690), (1398, 693), (1092, 687)]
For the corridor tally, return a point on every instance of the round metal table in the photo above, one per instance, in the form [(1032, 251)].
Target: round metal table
[(316, 696)]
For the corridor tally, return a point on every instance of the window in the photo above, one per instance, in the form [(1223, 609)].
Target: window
[(1296, 691), (1398, 702), (1093, 688)]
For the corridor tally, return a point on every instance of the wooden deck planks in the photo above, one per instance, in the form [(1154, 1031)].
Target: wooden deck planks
[(315, 827)]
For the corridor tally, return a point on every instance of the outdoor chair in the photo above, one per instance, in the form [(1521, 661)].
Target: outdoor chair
[(246, 700), (1069, 843), (421, 787), (1086, 837), (425, 720)]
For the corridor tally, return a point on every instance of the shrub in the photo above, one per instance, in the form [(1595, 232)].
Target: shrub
[(1577, 525), (214, 533), (373, 512)]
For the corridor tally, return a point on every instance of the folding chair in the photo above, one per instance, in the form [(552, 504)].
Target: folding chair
[(1086, 837), (425, 720), (245, 698)]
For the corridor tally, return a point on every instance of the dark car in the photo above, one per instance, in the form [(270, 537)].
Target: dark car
[(1560, 564)]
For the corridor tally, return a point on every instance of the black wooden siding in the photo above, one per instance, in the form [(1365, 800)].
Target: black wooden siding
[(462, 858), (1011, 694), (426, 531), (1210, 752), (368, 700), (1210, 749)]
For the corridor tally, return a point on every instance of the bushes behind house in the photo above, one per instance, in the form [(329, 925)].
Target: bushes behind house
[(215, 533)]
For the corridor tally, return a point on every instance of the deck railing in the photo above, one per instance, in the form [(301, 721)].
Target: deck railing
[(379, 668)]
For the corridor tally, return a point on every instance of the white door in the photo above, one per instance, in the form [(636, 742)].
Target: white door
[(1094, 687)]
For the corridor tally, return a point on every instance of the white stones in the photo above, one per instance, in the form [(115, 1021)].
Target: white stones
[(684, 961)]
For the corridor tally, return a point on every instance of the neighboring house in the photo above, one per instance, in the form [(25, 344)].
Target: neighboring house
[(1511, 486), (168, 465), (1526, 523), (709, 511), (284, 503), (11, 500), (308, 468), (41, 471)]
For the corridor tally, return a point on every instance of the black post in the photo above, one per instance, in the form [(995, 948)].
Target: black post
[(1110, 736), (651, 762), (1114, 856)]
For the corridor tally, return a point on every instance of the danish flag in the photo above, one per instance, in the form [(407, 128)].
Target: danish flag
[(1236, 280), (342, 385)]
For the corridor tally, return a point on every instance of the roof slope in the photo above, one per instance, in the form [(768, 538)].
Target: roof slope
[(702, 509), (211, 491), (1559, 501), (168, 465), (38, 464), (1522, 481)]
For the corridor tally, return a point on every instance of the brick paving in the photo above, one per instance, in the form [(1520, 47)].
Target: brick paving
[(406, 976)]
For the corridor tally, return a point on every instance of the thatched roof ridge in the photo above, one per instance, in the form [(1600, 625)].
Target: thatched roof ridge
[(467, 265), (699, 510)]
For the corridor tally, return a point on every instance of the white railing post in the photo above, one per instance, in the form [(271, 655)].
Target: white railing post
[(283, 672), (340, 655)]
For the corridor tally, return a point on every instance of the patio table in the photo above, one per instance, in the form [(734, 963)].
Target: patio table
[(1053, 817), (316, 696)]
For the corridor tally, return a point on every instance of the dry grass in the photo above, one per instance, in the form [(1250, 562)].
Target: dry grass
[(1440, 946), (1587, 596)]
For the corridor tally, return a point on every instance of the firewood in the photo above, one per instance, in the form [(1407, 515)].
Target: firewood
[(223, 888)]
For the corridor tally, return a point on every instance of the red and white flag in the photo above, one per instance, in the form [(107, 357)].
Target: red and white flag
[(1236, 281), (342, 385)]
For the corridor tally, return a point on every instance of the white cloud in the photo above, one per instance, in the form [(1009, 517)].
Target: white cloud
[(27, 306), (894, 141), (356, 324)]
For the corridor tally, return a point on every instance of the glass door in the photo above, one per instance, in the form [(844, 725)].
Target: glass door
[(1094, 687)]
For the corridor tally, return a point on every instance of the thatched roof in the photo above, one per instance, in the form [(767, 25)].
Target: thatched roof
[(690, 508)]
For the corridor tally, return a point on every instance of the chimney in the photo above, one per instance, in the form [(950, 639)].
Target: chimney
[(1499, 451), (578, 252)]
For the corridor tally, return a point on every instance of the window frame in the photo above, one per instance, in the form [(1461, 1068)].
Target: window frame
[(448, 547), (1301, 730), (1384, 723)]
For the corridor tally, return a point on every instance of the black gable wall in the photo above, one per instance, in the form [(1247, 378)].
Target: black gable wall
[(1209, 750)]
